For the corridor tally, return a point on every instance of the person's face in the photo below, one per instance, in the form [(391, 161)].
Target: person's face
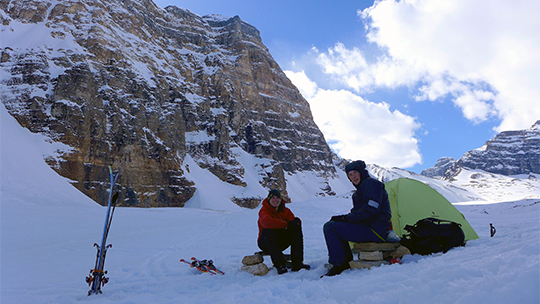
[(355, 177), (275, 201)]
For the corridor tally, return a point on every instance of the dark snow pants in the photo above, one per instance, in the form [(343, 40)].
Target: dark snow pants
[(274, 241), (338, 235)]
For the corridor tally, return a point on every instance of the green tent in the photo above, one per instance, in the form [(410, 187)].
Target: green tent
[(412, 200)]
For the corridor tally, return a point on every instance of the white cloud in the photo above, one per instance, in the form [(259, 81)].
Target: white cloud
[(351, 67), (475, 104), (482, 52), (358, 129)]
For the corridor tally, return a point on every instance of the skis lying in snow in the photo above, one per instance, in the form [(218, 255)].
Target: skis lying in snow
[(96, 279), (206, 266)]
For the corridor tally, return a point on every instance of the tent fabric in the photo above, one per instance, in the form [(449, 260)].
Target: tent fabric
[(412, 200)]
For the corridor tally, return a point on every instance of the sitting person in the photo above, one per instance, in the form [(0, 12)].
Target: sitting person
[(279, 229), (368, 221)]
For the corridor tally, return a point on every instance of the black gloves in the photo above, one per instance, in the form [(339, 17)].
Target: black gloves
[(339, 218), (294, 223)]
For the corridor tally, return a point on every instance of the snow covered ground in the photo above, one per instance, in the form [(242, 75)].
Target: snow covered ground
[(48, 229)]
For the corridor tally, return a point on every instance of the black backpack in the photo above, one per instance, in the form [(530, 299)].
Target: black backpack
[(431, 235)]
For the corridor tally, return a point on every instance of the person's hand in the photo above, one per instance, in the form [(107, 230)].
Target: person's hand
[(294, 223), (339, 218)]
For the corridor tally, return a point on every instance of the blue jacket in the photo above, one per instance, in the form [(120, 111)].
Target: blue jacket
[(371, 205)]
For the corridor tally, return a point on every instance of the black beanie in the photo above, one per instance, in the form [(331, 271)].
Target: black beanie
[(357, 165), (274, 192)]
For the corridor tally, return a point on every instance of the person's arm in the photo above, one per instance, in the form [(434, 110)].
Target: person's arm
[(269, 222), (373, 197)]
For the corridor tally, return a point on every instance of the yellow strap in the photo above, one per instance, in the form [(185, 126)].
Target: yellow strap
[(378, 235)]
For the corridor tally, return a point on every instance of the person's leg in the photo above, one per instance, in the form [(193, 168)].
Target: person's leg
[(297, 246), (296, 241), (274, 241), (339, 252), (338, 235)]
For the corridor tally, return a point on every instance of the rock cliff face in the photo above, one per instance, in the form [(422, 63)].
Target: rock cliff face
[(140, 88), (508, 153), (440, 167)]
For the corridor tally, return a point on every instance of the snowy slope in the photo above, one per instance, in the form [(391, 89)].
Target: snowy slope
[(48, 228), (498, 188), (472, 184), (450, 191)]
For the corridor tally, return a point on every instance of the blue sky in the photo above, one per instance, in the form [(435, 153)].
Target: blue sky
[(403, 83)]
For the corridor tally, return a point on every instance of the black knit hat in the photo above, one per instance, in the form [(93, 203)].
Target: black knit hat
[(274, 192), (357, 165)]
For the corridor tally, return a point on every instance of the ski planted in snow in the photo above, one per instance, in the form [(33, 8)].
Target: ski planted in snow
[(206, 266), (96, 279)]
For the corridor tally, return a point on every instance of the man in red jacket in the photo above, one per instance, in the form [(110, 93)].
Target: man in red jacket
[(279, 229)]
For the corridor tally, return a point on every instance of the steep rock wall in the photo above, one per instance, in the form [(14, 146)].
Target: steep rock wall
[(133, 86)]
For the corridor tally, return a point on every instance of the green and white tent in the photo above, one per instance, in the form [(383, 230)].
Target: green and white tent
[(412, 200)]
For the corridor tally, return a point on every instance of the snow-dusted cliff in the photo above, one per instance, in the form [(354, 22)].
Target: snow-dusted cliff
[(145, 89), (508, 153)]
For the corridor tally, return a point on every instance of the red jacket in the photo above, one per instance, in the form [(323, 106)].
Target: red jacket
[(270, 218)]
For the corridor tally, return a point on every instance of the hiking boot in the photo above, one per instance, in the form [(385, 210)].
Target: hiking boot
[(336, 269), (281, 269), (298, 267)]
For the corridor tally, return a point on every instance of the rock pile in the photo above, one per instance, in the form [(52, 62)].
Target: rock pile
[(254, 264), (376, 254)]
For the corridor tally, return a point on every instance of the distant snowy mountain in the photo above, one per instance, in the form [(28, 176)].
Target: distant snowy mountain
[(508, 153), (497, 187), (440, 167), (471, 184)]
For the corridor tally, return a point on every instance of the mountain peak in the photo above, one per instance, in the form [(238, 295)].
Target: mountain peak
[(155, 92), (508, 153), (536, 126), (440, 167)]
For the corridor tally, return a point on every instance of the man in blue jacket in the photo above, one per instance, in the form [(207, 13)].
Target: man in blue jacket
[(368, 221)]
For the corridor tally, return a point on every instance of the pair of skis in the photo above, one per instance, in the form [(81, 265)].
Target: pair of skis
[(206, 266), (96, 279)]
